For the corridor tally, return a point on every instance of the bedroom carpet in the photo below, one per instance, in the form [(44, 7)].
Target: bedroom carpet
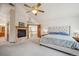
[(28, 48)]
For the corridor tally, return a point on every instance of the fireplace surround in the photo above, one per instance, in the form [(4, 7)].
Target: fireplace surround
[(21, 32)]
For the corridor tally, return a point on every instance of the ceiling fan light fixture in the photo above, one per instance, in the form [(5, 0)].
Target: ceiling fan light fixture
[(34, 11)]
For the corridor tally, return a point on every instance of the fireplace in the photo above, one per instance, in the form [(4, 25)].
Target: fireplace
[(21, 33)]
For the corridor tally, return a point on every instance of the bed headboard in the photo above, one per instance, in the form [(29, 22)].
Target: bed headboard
[(66, 29)]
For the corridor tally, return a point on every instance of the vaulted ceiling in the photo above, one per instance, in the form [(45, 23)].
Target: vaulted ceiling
[(54, 13), (4, 10)]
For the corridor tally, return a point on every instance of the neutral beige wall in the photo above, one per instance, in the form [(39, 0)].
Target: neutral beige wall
[(4, 16), (58, 14)]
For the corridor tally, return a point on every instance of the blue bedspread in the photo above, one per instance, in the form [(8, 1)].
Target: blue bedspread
[(60, 40)]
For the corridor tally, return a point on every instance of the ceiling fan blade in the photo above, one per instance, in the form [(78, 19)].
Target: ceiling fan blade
[(39, 4), (11, 4), (41, 11), (27, 5), (28, 11)]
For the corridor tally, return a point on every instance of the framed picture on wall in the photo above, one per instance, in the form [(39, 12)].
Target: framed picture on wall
[(21, 24)]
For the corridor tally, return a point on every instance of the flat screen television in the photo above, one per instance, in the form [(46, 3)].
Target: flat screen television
[(21, 33)]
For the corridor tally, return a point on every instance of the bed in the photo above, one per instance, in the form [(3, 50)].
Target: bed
[(58, 37)]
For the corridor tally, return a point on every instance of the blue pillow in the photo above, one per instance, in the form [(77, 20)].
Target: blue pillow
[(60, 33), (53, 33)]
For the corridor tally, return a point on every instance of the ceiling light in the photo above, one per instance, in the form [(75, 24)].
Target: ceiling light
[(34, 11)]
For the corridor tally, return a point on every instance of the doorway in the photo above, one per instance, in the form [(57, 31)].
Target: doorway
[(34, 30), (2, 33)]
